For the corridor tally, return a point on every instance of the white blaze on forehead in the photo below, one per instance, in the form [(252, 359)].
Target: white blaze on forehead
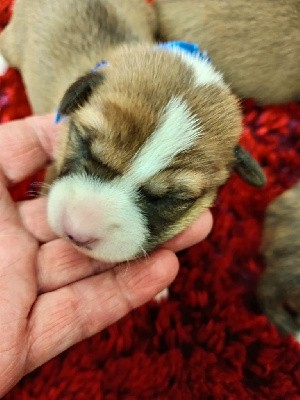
[(205, 73), (177, 131)]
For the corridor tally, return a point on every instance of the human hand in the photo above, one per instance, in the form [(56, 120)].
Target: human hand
[(52, 296)]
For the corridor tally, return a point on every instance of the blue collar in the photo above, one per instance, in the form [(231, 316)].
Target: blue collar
[(185, 47)]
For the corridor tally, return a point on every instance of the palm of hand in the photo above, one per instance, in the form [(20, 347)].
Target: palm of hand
[(49, 293)]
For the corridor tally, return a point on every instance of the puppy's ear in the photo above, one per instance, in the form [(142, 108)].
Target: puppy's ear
[(248, 168), (79, 92)]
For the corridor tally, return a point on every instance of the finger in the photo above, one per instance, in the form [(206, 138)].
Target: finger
[(33, 214), (59, 264), (193, 234), (26, 145), (17, 250), (8, 212), (64, 317)]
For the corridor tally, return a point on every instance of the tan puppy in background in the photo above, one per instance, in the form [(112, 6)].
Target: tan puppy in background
[(149, 137), (279, 286), (256, 43), (54, 42)]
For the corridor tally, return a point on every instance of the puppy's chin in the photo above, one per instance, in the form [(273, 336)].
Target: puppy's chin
[(100, 218)]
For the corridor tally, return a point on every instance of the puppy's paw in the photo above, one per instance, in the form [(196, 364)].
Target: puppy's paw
[(3, 65), (163, 295)]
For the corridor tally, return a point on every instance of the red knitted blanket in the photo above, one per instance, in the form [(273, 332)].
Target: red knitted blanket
[(209, 340)]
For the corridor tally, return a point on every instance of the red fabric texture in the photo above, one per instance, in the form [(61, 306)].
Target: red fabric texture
[(209, 340)]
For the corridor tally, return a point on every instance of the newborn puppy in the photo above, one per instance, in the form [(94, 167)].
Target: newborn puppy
[(149, 137), (256, 44), (279, 286)]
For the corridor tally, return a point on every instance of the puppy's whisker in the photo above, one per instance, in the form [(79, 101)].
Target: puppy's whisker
[(37, 189), (31, 194), (41, 185), (145, 254), (126, 265)]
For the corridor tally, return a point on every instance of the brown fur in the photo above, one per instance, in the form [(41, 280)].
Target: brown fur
[(256, 44), (279, 286), (128, 114)]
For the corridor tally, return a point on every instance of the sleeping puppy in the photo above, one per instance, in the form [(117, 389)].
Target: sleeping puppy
[(149, 137), (256, 44), (279, 286)]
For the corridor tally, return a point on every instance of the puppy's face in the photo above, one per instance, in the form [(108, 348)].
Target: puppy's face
[(148, 141)]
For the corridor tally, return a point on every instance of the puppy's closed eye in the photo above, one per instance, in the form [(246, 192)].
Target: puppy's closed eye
[(179, 196), (81, 158), (80, 141), (167, 207), (182, 183)]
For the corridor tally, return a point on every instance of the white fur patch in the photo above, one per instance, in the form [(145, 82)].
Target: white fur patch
[(205, 73), (100, 210), (177, 131), (3, 65), (163, 295)]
